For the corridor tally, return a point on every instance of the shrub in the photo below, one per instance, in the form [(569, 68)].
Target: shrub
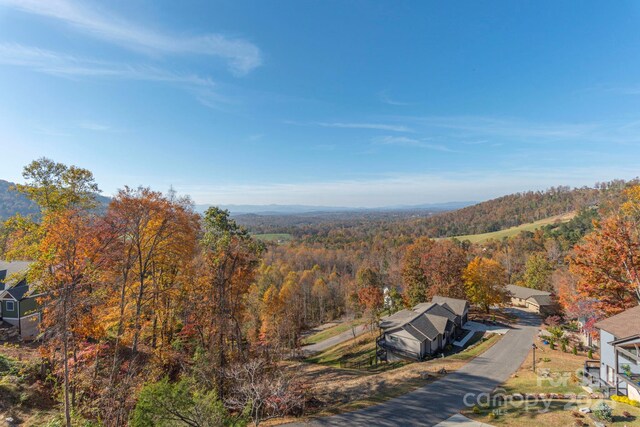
[(574, 378), (556, 333), (160, 403), (7, 366), (575, 350), (564, 347), (590, 354), (475, 409), (626, 400), (552, 345), (572, 326), (603, 412), (546, 359), (553, 320)]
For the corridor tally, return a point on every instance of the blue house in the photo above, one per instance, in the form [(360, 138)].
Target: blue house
[(19, 305)]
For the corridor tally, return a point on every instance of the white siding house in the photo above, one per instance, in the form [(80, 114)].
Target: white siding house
[(619, 364)]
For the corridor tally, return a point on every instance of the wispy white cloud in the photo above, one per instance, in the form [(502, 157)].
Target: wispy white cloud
[(623, 90), (59, 64), (384, 97), (404, 141), (69, 66), (375, 126), (508, 127), (241, 55), (472, 130), (324, 147), (95, 126)]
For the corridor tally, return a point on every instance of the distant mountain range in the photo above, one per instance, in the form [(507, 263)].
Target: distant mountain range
[(12, 202), (306, 209)]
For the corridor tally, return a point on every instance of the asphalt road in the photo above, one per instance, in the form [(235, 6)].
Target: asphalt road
[(330, 342), (442, 399)]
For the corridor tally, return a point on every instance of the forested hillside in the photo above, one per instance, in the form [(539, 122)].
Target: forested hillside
[(493, 215), (516, 209), (12, 202)]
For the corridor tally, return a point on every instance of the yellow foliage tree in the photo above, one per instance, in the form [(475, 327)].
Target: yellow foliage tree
[(485, 281)]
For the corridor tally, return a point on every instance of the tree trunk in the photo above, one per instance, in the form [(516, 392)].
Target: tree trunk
[(65, 359), (120, 327), (137, 326)]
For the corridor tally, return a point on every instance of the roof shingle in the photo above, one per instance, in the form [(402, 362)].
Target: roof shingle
[(622, 325)]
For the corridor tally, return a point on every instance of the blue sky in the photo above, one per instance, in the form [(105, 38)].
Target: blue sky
[(359, 103)]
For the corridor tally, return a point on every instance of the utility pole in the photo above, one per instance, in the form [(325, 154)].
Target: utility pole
[(533, 346)]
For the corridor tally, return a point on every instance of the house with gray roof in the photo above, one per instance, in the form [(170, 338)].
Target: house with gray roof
[(422, 331), (542, 302), (459, 307), (19, 305)]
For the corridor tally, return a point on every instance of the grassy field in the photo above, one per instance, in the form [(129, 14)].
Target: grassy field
[(476, 238), (274, 237), (361, 350), (559, 372), (476, 345), (332, 332), (552, 413)]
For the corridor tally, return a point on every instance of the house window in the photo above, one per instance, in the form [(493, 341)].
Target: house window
[(610, 375), (11, 306)]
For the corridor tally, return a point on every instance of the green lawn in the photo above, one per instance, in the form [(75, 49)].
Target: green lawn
[(273, 237), (476, 345), (559, 373), (332, 332), (497, 235), (555, 413), (361, 350)]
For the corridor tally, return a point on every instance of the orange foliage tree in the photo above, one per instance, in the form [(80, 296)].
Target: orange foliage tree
[(433, 268), (607, 261)]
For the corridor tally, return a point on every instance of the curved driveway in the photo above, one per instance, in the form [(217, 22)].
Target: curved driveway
[(442, 399), (340, 338)]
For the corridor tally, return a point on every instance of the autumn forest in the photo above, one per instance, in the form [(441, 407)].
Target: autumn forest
[(155, 313)]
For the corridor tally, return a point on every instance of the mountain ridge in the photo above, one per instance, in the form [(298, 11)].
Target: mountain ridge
[(278, 209)]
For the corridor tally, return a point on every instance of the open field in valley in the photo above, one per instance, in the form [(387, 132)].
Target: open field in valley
[(509, 232)]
